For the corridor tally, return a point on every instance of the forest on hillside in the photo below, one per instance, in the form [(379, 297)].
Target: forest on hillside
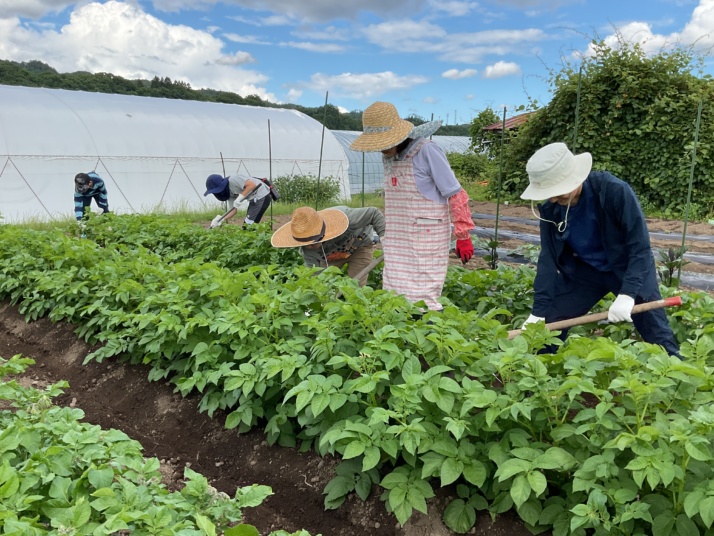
[(38, 74)]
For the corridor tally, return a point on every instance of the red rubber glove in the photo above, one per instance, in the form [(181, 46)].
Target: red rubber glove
[(464, 249)]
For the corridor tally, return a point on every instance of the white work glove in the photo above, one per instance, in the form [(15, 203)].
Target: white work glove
[(216, 222), (239, 200), (532, 319), (620, 309)]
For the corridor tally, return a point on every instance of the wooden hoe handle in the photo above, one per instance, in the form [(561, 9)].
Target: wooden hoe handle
[(596, 317), (371, 266), (367, 269)]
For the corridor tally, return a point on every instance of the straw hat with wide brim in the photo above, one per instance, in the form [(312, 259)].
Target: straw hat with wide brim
[(307, 226), (382, 129), (553, 171), (425, 130)]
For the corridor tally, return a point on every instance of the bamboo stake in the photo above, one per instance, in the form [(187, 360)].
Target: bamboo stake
[(689, 190), (322, 143)]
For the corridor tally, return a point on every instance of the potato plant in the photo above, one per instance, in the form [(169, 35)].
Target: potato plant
[(59, 475), (603, 436)]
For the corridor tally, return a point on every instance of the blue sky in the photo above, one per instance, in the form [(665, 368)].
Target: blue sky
[(446, 58)]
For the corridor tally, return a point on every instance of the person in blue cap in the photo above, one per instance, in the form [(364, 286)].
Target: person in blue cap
[(235, 189), (88, 186)]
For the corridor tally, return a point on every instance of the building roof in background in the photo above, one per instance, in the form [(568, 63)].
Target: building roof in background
[(511, 122)]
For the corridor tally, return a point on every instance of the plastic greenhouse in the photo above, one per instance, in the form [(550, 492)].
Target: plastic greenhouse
[(152, 153), (368, 166)]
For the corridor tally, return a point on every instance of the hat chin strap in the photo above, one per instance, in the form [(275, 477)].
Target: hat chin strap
[(560, 226)]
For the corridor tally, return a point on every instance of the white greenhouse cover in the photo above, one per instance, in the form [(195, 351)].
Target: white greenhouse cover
[(153, 153)]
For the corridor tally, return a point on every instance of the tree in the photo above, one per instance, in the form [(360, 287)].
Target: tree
[(636, 116), (483, 119)]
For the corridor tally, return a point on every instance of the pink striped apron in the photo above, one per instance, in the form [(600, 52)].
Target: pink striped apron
[(417, 236)]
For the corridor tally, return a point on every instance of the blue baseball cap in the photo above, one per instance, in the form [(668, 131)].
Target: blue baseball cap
[(215, 184)]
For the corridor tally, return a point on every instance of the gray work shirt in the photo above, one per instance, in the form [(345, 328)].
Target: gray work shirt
[(236, 184), (362, 222)]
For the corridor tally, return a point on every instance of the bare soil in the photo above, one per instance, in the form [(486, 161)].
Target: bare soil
[(119, 396), (171, 428)]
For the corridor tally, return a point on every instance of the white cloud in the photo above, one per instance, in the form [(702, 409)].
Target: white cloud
[(455, 74), (699, 32), (246, 39), (453, 8), (545, 4), (501, 69), (426, 37), (330, 33), (307, 10), (33, 9), (700, 28), (294, 95), (363, 86), (314, 47), (394, 35), (121, 39), (239, 58)]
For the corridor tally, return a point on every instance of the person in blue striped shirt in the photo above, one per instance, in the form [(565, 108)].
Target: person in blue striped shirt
[(88, 186)]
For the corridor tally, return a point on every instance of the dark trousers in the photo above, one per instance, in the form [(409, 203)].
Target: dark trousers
[(589, 286), (82, 203), (256, 209)]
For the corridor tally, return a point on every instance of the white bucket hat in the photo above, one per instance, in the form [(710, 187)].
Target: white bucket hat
[(553, 170)]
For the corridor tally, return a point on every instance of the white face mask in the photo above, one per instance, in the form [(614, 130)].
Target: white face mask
[(560, 226)]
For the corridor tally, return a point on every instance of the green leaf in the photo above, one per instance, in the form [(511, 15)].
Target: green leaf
[(692, 502), (242, 530), (337, 488), (555, 458), (416, 499), (706, 510), (537, 482), (520, 490), (9, 481), (663, 524), (475, 472), (580, 510), (372, 456), (685, 526), (394, 479), (698, 452), (530, 511), (354, 449), (450, 471), (319, 403), (100, 478), (205, 524), (253, 495), (512, 467), (550, 513), (459, 516), (363, 486), (233, 420)]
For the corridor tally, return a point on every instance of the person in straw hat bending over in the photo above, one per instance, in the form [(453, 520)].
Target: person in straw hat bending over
[(333, 237), (422, 197), (594, 241)]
